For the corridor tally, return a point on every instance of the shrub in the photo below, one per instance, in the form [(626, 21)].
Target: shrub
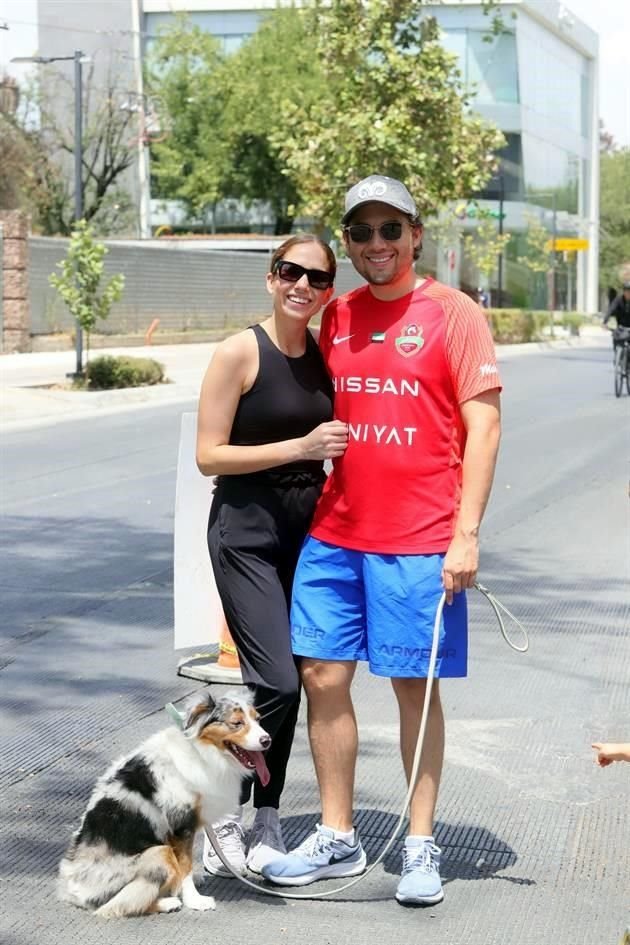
[(107, 371), (572, 321), (514, 325)]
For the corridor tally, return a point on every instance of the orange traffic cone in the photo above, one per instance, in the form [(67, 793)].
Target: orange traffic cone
[(228, 655)]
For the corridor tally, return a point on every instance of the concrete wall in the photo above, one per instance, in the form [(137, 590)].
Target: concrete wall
[(185, 289)]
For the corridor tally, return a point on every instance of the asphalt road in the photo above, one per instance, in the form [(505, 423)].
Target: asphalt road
[(536, 839)]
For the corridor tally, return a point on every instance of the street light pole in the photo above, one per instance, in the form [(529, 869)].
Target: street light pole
[(500, 266), (78, 180), (554, 233)]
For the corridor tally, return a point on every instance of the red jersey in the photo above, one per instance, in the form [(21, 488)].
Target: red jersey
[(400, 371)]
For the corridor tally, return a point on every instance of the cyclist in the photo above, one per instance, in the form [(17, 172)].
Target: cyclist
[(619, 309)]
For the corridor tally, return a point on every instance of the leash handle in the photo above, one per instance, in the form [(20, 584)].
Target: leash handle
[(497, 606)]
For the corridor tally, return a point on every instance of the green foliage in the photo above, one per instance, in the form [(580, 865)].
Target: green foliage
[(393, 102), (192, 161), (219, 110), (515, 326), (614, 249), (537, 257), (573, 321), (317, 98), (269, 69), (79, 283), (485, 246), (107, 371)]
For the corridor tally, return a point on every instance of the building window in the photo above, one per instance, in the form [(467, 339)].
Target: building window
[(489, 67)]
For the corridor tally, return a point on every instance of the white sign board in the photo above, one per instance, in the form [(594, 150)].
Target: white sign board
[(198, 612)]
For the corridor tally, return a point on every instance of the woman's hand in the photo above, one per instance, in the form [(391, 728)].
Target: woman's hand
[(327, 441)]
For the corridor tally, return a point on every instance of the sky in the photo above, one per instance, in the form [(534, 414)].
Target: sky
[(609, 18)]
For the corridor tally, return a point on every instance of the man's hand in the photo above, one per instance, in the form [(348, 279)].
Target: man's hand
[(461, 561)]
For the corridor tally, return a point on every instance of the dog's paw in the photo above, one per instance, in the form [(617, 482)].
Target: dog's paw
[(199, 902), (169, 904)]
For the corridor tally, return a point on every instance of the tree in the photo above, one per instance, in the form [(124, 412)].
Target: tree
[(614, 249), (537, 258), (79, 283), (191, 163), (394, 101), (267, 69), (108, 150), (485, 246), (220, 109), (13, 147), (607, 143)]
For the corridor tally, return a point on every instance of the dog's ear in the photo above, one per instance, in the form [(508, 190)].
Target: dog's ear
[(199, 712)]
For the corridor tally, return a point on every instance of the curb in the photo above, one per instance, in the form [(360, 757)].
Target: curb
[(62, 406)]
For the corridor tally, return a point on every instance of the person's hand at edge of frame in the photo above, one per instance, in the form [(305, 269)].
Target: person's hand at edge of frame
[(607, 752)]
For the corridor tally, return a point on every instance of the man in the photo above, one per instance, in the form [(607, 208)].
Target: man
[(619, 309), (415, 378)]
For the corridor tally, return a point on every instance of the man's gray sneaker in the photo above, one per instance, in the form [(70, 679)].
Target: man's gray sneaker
[(420, 883), (231, 839), (320, 856)]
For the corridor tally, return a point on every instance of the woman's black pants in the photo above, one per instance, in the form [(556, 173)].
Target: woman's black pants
[(255, 532)]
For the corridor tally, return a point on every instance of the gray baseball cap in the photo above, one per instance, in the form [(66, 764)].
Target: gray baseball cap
[(379, 189)]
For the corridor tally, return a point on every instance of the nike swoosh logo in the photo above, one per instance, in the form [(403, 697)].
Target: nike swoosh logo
[(337, 340), (335, 858)]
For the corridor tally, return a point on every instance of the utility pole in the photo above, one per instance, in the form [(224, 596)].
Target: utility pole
[(144, 201), (552, 281), (500, 260)]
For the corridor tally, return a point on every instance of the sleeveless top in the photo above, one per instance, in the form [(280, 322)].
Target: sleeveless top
[(288, 399)]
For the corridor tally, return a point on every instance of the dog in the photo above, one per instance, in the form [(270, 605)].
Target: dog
[(132, 854)]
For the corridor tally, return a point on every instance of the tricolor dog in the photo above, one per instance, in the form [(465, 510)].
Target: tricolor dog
[(132, 853)]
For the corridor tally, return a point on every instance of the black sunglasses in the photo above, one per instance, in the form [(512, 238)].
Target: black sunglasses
[(362, 232), (293, 272)]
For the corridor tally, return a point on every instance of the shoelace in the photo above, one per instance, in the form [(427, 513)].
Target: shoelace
[(316, 843), (419, 858), (231, 837)]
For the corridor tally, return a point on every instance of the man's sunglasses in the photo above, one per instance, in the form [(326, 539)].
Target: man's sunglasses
[(362, 232), (292, 272)]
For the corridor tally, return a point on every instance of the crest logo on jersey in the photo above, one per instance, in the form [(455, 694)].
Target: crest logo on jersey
[(410, 341)]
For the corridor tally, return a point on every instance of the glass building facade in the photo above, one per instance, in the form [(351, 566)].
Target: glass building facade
[(538, 82)]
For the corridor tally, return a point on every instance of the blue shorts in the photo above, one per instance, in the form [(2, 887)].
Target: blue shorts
[(351, 605)]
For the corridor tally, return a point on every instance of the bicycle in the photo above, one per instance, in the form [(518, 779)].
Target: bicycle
[(622, 359)]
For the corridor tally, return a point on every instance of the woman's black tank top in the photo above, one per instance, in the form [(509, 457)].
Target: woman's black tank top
[(288, 399)]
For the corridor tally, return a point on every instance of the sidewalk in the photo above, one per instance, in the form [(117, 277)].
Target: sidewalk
[(26, 400)]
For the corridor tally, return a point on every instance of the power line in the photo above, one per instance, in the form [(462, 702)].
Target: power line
[(71, 29)]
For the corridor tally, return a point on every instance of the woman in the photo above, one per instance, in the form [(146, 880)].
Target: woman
[(265, 426)]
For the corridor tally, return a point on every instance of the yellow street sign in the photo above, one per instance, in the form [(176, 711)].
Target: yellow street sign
[(567, 244)]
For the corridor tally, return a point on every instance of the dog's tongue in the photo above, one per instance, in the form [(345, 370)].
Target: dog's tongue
[(261, 767)]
